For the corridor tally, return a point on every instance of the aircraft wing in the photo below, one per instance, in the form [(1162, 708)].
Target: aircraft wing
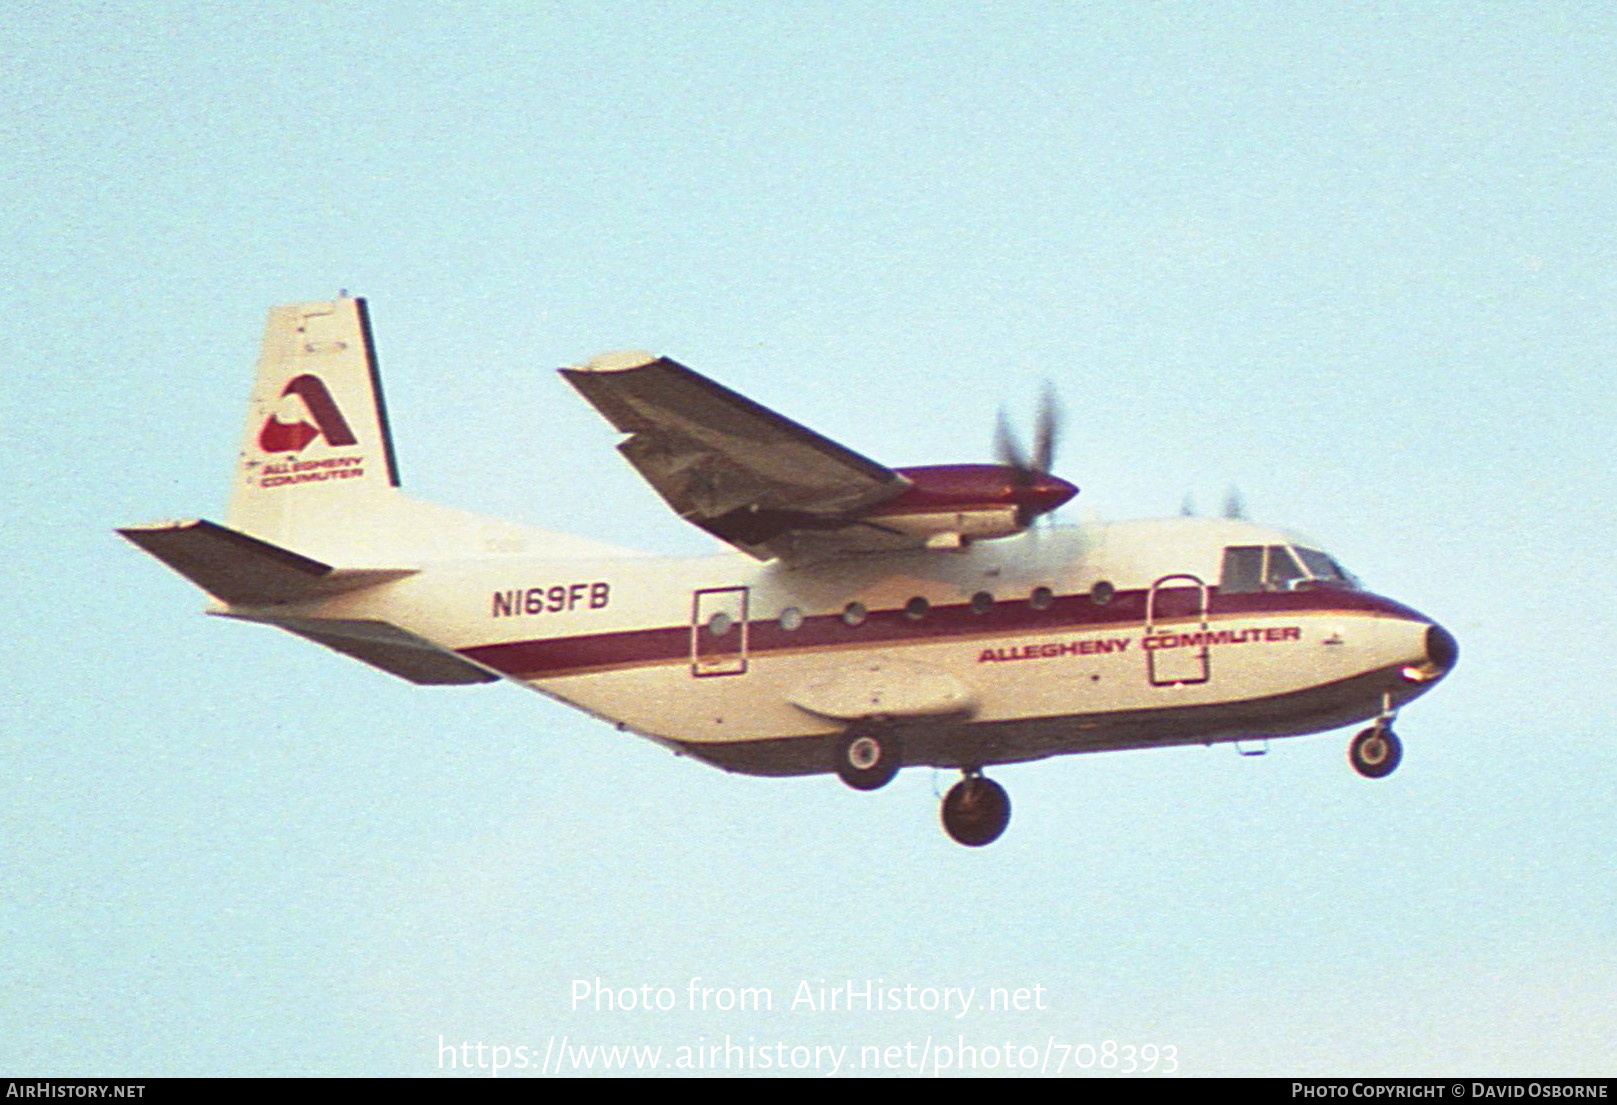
[(739, 470)]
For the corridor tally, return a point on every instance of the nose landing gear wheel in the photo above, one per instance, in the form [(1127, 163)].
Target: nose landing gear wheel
[(867, 757), (976, 811), (1375, 752)]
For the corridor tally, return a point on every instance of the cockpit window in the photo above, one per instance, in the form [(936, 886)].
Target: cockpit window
[(1278, 568), (1243, 569), (1282, 570), (1320, 566)]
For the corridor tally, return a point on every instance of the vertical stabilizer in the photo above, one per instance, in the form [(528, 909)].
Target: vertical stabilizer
[(316, 465)]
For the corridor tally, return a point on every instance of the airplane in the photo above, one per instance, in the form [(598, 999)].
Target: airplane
[(864, 619)]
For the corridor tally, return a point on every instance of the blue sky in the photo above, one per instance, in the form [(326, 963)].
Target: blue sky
[(1355, 260)]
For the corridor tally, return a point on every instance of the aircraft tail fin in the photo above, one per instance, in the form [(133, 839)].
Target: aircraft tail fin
[(316, 453)]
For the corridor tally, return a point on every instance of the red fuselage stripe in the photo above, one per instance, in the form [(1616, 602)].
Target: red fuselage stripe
[(559, 656)]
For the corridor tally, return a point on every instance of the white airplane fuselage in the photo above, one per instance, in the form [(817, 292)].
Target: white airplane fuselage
[(870, 618), (1071, 639)]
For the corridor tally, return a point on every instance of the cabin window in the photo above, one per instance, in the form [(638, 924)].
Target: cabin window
[(1102, 593), (1041, 598), (982, 602), (854, 613), (791, 618), (916, 608), (720, 624)]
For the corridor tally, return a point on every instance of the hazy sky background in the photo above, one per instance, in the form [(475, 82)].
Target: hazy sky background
[(1357, 260)]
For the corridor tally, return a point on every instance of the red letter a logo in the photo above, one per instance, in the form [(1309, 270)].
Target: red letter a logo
[(291, 437)]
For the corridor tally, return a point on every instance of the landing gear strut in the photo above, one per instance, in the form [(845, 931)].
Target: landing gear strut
[(976, 810), (868, 756), (1375, 752)]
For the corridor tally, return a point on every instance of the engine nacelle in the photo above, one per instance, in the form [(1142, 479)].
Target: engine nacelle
[(949, 504)]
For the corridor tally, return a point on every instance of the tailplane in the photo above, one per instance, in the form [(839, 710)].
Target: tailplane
[(242, 570), (258, 581)]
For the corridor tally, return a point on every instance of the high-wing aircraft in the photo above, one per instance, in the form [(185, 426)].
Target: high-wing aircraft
[(868, 619)]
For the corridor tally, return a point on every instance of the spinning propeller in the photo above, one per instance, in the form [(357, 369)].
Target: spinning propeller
[(1036, 491)]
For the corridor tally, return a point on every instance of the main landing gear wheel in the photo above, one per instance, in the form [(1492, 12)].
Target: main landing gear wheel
[(1375, 752), (868, 757), (976, 811)]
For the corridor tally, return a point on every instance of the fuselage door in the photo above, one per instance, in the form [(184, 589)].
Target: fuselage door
[(1176, 649), (719, 631)]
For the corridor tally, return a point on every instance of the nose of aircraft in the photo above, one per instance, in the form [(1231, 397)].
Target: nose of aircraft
[(1442, 650)]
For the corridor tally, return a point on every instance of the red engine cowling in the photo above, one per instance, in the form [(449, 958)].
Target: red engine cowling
[(948, 504)]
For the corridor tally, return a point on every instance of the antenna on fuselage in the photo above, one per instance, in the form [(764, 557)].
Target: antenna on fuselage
[(1234, 505)]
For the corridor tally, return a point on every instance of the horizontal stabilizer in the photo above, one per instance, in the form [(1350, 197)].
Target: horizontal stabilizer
[(244, 571), (387, 647)]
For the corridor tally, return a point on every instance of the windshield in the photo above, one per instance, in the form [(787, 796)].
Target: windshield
[(1279, 568), (1322, 566)]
